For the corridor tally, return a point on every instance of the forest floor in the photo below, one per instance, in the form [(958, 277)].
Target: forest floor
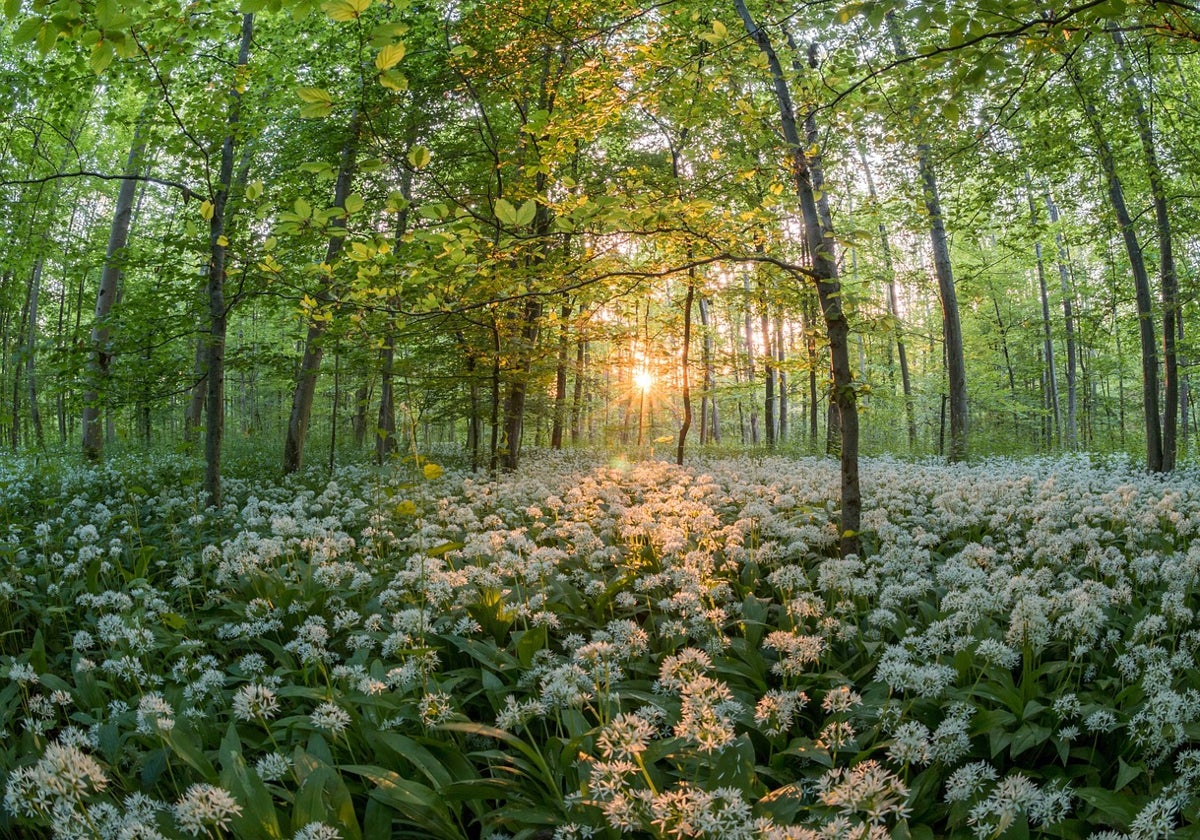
[(597, 649)]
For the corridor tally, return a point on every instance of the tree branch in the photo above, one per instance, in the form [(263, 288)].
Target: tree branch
[(188, 192)]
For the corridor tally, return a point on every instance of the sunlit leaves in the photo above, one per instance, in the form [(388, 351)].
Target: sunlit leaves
[(344, 11), (206, 210), (317, 102), (354, 203), (101, 56), (389, 56), (419, 157)]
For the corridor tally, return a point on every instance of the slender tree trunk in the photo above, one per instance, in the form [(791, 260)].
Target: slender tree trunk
[(494, 453), (1064, 279), (769, 366), (560, 379), (751, 373), (709, 418), (577, 394), (684, 365), (385, 432), (956, 368), (18, 360), (781, 358), (314, 343), (214, 432), (893, 305), (35, 415), (100, 356), (818, 229), (1168, 278), (1047, 333), (1141, 280)]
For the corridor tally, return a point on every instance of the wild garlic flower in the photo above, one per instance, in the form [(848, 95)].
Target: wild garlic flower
[(331, 717), (205, 806), (626, 737), (254, 701)]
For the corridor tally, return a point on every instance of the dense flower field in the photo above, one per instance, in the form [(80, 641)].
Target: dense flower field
[(594, 651)]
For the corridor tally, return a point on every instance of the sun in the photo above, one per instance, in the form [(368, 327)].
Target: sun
[(643, 379)]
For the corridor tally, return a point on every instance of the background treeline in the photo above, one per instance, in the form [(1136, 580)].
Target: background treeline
[(506, 224)]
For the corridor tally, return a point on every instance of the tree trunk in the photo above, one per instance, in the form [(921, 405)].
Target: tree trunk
[(577, 394), (560, 380), (780, 359), (218, 314), (751, 374), (1141, 281), (818, 229), (956, 368), (314, 342), (893, 304), (1047, 333), (385, 432), (769, 366), (710, 425), (684, 365), (1064, 279), (1168, 278), (35, 415), (99, 357)]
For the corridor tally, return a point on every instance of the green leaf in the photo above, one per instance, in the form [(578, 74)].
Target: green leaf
[(47, 38), (27, 31), (315, 95), (419, 157), (12, 8), (390, 56), (394, 80), (302, 208), (254, 190), (505, 212), (354, 203), (526, 213), (258, 820)]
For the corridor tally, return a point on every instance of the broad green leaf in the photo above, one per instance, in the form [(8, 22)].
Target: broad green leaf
[(394, 80), (254, 190), (47, 38), (12, 8), (505, 212), (719, 29), (419, 157), (354, 203), (101, 57), (27, 31), (302, 208), (526, 213), (390, 56), (206, 210), (314, 95), (345, 10)]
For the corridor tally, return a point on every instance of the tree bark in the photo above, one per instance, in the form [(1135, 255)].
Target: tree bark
[(560, 379), (100, 356), (684, 365), (218, 314), (1141, 281), (1047, 333), (710, 425), (818, 229), (893, 303), (1168, 277), (314, 342), (1064, 279), (956, 368)]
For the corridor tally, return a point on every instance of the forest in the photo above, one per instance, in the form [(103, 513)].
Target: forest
[(560, 418)]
